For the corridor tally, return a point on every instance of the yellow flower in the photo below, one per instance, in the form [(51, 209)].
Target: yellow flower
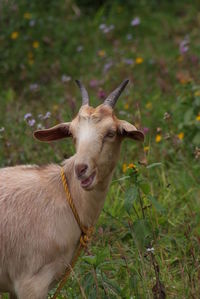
[(35, 44), (139, 60), (14, 35), (129, 166), (101, 53), (126, 106), (158, 138), (148, 105), (27, 15), (180, 135), (124, 167), (146, 149), (197, 93), (198, 117)]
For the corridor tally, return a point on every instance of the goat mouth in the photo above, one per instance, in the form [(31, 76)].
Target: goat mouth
[(87, 182)]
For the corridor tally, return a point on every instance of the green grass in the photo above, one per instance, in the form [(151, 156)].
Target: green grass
[(158, 206)]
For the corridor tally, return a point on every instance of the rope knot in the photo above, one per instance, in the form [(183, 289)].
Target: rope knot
[(86, 236)]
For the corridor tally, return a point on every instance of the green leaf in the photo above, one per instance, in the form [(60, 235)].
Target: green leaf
[(131, 195), (142, 232), (92, 260), (145, 187), (154, 165), (156, 204)]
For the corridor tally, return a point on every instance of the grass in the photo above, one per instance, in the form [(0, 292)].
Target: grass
[(146, 243)]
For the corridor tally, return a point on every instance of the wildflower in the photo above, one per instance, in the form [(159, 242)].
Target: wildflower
[(105, 28), (94, 83), (145, 130), (180, 136), (101, 53), (149, 105), (135, 21), (31, 122), (32, 23), (79, 48), (129, 36), (150, 249), (39, 127), (167, 116), (139, 60), (158, 138), (184, 46), (125, 167), (132, 166), (27, 15), (14, 35), (47, 115), (198, 117), (128, 61), (2, 129), (27, 115), (101, 94), (197, 152), (65, 78), (35, 44), (126, 106), (146, 149), (197, 93), (33, 87), (107, 66)]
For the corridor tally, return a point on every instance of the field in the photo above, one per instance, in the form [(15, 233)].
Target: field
[(146, 243)]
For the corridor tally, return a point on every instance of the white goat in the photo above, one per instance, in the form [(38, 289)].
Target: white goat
[(38, 231)]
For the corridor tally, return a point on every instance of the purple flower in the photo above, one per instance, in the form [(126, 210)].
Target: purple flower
[(27, 115), (135, 21), (102, 26), (94, 83), (105, 28), (129, 36), (101, 94), (184, 45), (107, 66), (31, 122), (47, 115), (145, 130), (34, 87), (128, 61)]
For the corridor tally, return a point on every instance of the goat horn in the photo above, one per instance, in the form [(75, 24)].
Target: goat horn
[(112, 98), (84, 93)]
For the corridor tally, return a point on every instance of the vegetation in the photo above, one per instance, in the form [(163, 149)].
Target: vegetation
[(146, 243)]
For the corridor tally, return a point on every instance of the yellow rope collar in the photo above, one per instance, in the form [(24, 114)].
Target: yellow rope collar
[(86, 234)]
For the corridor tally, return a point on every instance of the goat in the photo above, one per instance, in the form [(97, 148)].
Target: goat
[(38, 231)]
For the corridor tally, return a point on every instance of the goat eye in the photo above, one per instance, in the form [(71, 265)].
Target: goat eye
[(110, 134)]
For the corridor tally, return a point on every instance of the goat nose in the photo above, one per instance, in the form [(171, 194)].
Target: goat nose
[(80, 169)]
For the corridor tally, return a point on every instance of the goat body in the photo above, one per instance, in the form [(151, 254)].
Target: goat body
[(38, 231)]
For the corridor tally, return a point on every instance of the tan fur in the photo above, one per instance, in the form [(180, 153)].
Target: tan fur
[(38, 232)]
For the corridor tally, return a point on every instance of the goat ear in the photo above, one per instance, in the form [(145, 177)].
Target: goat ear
[(128, 130), (55, 133)]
